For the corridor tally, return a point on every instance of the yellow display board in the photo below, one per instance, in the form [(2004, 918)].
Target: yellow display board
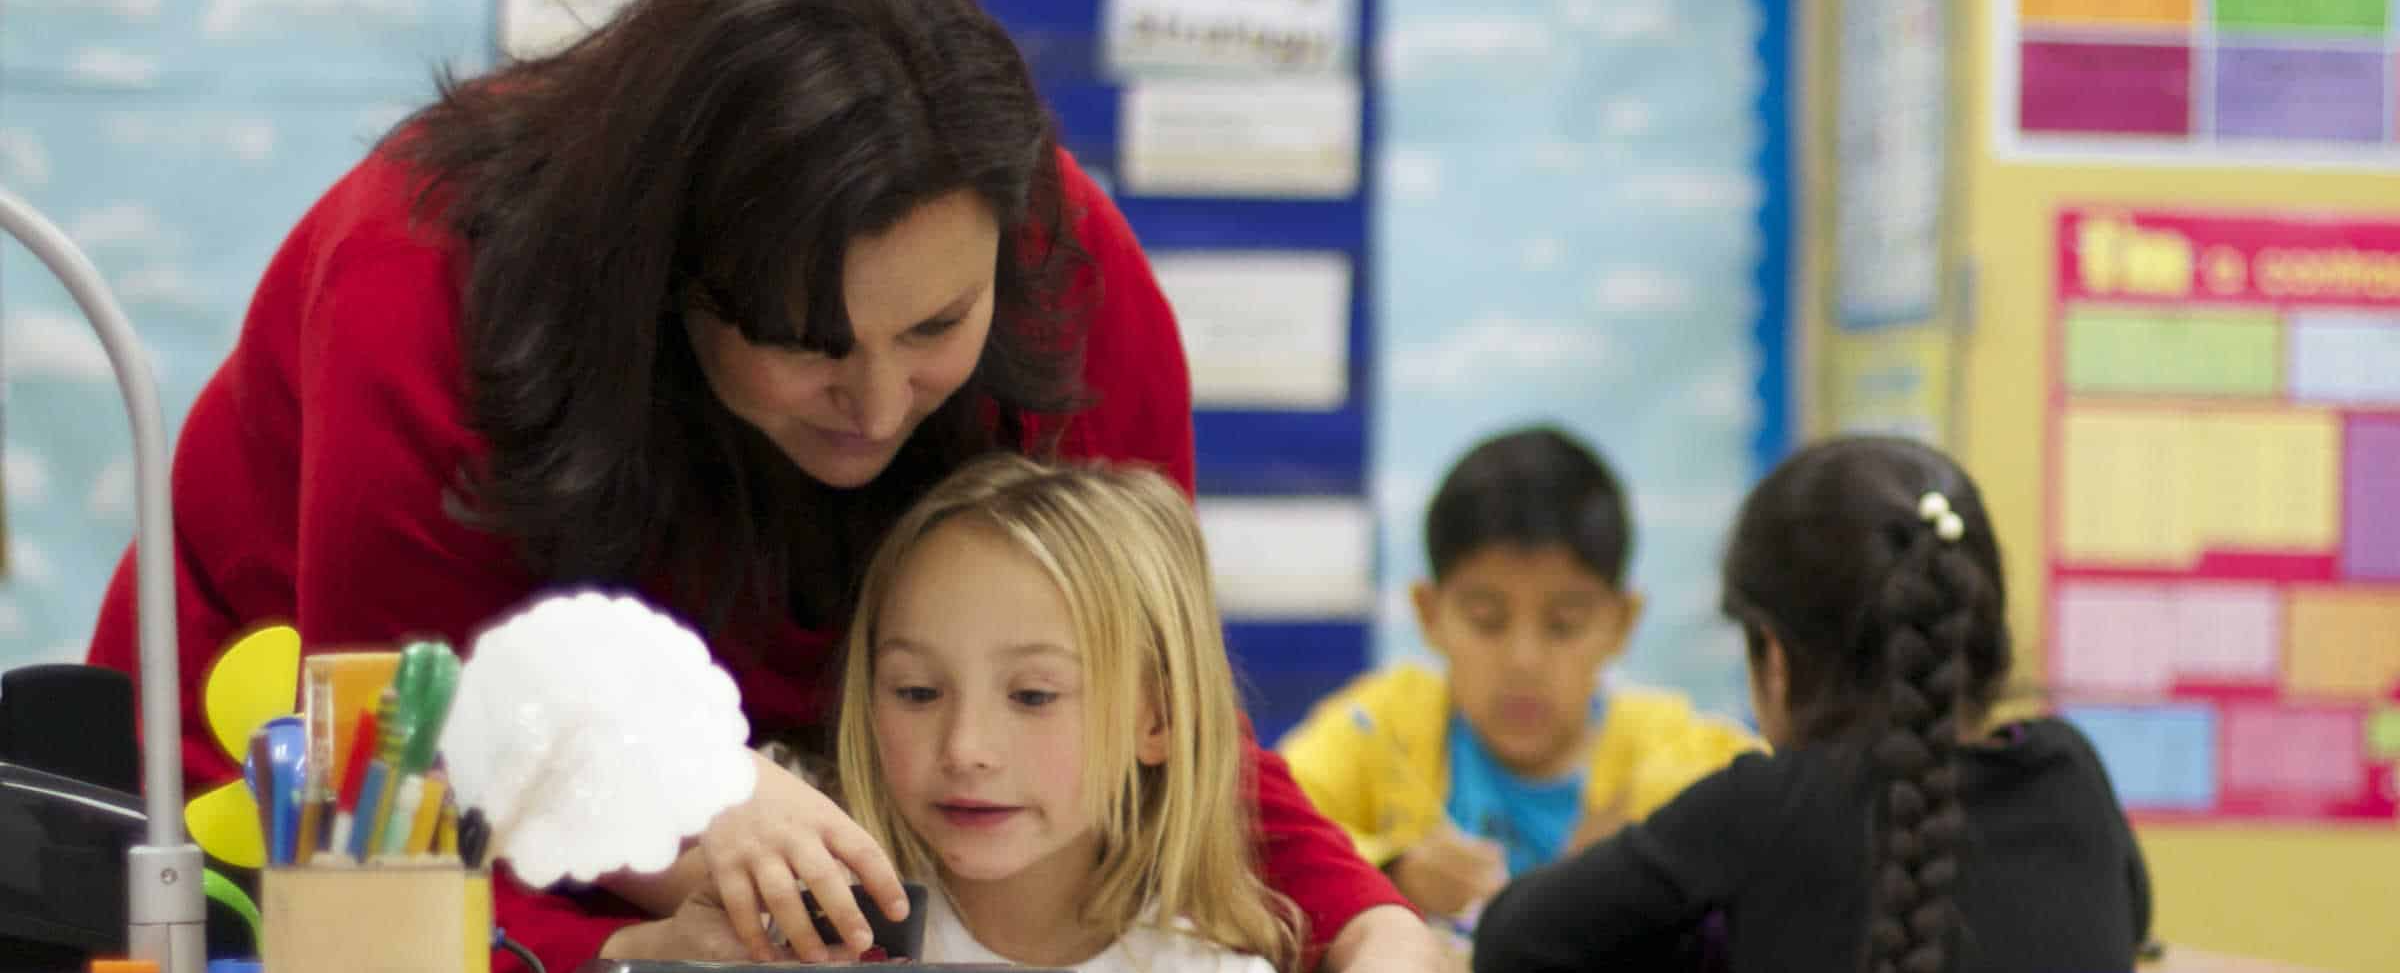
[(2315, 894), (2156, 486)]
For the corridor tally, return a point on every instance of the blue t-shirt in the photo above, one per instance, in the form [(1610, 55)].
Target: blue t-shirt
[(1532, 819)]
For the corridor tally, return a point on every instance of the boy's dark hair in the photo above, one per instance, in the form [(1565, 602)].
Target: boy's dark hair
[(1531, 488), (1894, 638)]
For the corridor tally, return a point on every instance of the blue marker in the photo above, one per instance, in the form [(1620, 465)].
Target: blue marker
[(287, 758)]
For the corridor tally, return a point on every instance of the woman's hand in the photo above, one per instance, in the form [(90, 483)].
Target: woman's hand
[(698, 931), (661, 893), (759, 855), (1389, 939)]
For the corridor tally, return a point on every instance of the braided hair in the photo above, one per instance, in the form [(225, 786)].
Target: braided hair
[(1870, 562)]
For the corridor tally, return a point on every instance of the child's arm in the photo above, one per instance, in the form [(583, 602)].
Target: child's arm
[(1324, 760), (1335, 755), (1626, 901), (1309, 859), (662, 893), (1386, 938), (1340, 755)]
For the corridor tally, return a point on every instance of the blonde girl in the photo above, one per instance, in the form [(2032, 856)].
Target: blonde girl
[(1039, 720)]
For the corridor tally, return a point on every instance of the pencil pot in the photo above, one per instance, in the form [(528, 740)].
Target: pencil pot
[(384, 919)]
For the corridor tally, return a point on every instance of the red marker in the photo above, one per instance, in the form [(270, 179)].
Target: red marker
[(354, 776)]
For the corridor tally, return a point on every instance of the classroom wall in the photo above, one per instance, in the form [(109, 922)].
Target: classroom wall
[(1580, 222), (176, 141), (1261, 246), (2316, 894)]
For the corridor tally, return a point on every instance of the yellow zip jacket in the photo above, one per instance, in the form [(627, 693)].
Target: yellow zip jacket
[(1374, 757)]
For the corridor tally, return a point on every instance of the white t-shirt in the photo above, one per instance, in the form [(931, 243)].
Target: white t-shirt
[(1145, 949)]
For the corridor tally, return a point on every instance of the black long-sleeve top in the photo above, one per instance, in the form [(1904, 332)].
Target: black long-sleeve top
[(2051, 880)]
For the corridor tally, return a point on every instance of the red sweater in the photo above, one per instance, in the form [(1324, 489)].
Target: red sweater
[(309, 478)]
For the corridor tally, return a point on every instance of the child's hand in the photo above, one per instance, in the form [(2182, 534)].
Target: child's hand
[(1449, 871), (787, 835)]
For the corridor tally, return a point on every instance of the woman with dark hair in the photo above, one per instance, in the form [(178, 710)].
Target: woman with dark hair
[(696, 307), (1891, 831)]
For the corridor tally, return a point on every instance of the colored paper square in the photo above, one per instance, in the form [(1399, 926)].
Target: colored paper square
[(2114, 638), (2160, 758), (2346, 16), (2158, 12), (2344, 643), (2112, 509), (2266, 481), (2299, 93), (2158, 489), (2345, 358), (2132, 637), (2165, 352), (2383, 735), (2279, 756), (2228, 633), (2371, 499), (2104, 89)]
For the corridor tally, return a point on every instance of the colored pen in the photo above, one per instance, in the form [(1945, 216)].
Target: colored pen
[(325, 813), (316, 810), (311, 824), (427, 679), (373, 796), (287, 751), (429, 815), (354, 776), (258, 771), (445, 833), (408, 797)]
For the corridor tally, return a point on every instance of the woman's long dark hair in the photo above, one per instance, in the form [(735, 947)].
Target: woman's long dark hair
[(723, 154), (1894, 638)]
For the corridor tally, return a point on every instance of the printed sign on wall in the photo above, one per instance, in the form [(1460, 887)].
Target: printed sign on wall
[(2224, 510)]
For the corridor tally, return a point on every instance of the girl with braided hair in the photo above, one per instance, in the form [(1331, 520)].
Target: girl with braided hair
[(1890, 832)]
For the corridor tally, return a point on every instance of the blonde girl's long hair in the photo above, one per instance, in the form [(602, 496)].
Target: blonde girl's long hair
[(1124, 548)]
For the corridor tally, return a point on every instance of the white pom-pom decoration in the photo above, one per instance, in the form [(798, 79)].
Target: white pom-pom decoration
[(595, 734)]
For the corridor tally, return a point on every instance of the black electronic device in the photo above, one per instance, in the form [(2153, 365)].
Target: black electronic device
[(62, 865)]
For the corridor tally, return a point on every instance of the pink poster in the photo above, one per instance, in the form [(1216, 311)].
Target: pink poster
[(2223, 509)]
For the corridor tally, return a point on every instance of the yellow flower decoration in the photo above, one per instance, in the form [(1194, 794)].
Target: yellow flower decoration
[(254, 680)]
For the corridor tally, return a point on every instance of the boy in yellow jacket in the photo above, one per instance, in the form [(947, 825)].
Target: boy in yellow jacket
[(1516, 757)]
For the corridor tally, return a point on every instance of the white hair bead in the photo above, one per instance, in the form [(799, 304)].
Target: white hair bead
[(1934, 508)]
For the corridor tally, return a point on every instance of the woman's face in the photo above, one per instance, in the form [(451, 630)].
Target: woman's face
[(920, 301)]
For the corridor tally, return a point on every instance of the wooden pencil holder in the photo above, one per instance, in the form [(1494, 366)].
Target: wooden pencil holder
[(379, 919)]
